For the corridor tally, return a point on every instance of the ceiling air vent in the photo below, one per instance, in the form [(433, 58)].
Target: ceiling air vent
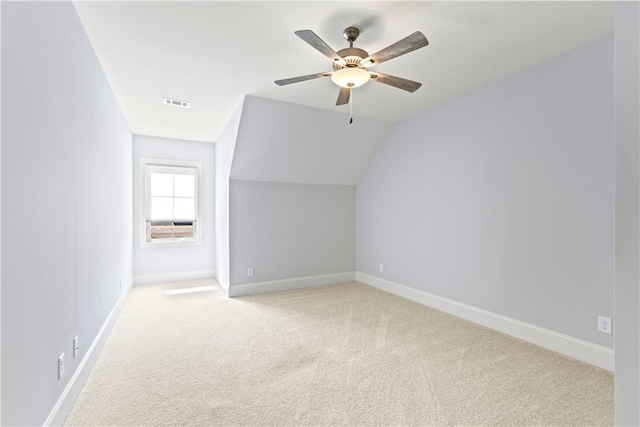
[(176, 103)]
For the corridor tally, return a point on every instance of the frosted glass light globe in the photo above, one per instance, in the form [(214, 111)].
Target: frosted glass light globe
[(350, 77)]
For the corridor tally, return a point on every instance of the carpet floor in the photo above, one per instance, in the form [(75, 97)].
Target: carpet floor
[(345, 354)]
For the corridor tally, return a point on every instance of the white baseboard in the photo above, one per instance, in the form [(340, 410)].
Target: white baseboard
[(289, 284), (148, 279), (584, 351), (65, 403)]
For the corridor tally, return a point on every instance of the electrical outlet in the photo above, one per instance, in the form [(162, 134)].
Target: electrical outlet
[(120, 283), (76, 345), (60, 366), (604, 325), (381, 268), (250, 272)]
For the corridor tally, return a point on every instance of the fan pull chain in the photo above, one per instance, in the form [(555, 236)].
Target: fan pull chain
[(350, 106)]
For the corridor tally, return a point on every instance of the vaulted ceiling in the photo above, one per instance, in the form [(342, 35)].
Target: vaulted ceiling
[(213, 53)]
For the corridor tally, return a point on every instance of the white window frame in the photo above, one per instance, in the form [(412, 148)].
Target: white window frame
[(144, 204)]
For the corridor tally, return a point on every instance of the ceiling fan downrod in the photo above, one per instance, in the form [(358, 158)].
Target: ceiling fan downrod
[(351, 34)]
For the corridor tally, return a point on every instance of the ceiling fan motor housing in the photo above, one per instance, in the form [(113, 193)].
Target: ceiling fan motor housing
[(352, 56)]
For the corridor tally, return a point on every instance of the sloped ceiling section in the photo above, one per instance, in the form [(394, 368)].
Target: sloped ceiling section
[(284, 142)]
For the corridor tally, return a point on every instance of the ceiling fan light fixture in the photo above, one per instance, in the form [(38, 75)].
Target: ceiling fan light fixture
[(350, 77)]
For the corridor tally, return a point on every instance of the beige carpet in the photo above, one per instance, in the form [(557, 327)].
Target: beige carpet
[(344, 354)]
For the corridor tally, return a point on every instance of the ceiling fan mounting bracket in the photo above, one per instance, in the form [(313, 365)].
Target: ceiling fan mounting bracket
[(351, 34)]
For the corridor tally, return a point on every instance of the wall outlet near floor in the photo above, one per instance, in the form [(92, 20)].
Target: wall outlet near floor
[(76, 345), (604, 325), (60, 366), (381, 268), (250, 272)]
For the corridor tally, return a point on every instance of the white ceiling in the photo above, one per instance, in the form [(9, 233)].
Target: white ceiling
[(214, 53)]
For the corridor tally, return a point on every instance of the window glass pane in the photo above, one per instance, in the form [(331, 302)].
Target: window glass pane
[(184, 185), (161, 184), (161, 231), (183, 231), (185, 208), (161, 208), (172, 201)]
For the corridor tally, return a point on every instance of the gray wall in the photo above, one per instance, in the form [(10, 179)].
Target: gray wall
[(290, 230), (503, 199), (66, 198), (627, 90), (160, 260)]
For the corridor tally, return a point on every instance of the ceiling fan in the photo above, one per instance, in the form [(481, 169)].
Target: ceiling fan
[(351, 65)]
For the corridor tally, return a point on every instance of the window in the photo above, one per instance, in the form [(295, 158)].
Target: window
[(169, 202)]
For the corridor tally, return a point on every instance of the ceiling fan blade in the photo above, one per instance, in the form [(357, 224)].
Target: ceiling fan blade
[(408, 44), (302, 78), (399, 82), (343, 96), (316, 42)]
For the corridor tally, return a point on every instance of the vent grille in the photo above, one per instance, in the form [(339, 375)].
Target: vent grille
[(176, 102)]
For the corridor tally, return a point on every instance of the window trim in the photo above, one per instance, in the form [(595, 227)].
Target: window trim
[(143, 192)]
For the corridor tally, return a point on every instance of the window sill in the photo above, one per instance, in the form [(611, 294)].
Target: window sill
[(170, 244)]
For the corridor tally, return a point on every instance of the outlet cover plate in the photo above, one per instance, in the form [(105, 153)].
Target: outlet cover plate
[(604, 325), (61, 366), (76, 345)]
